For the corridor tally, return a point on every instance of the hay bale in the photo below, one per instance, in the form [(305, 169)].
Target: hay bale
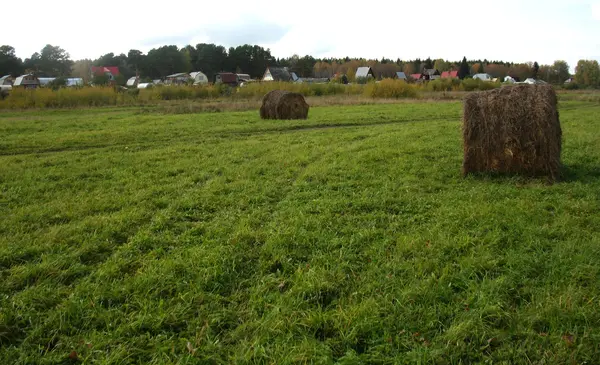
[(280, 104), (514, 129)]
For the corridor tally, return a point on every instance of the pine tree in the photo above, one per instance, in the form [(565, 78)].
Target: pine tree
[(463, 71), (536, 69)]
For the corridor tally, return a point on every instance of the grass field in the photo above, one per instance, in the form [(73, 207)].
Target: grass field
[(129, 237)]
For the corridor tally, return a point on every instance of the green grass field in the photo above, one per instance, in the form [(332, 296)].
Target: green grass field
[(349, 238)]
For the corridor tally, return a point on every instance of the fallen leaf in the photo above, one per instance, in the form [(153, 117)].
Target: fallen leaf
[(73, 355), (543, 334)]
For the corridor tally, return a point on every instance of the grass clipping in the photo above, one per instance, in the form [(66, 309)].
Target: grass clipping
[(512, 130), (280, 104)]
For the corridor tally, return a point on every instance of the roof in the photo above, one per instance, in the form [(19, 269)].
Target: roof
[(46, 80), (100, 70), (401, 75), (6, 79), (482, 76), (228, 77), (196, 73), (415, 76), (75, 81), (431, 71), (280, 73), (244, 76), (450, 74), (181, 74), (132, 81), (363, 72), (20, 81)]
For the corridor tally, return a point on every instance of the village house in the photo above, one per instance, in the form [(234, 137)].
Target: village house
[(450, 75), (277, 74), (133, 81), (364, 72), (244, 77), (430, 74), (6, 80), (482, 77), (227, 78), (199, 77), (178, 79), (111, 71), (29, 81), (400, 76)]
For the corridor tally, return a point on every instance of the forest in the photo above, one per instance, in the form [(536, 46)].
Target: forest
[(53, 61)]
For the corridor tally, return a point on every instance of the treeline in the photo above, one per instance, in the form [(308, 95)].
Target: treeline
[(53, 61)]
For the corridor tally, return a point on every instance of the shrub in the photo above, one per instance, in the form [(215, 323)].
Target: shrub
[(443, 85), (476, 84), (389, 88), (571, 86), (364, 80), (65, 98), (101, 80), (57, 83)]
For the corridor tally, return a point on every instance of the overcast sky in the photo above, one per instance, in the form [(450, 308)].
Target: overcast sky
[(510, 30)]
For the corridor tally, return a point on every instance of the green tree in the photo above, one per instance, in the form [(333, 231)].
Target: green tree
[(165, 60), (106, 60), (81, 68), (587, 73), (57, 83), (536, 70), (10, 64), (100, 80), (210, 59), (464, 70), (52, 61), (428, 64), (136, 60), (441, 65), (561, 71)]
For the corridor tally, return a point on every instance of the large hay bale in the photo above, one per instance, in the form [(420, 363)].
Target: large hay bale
[(514, 129), (280, 104)]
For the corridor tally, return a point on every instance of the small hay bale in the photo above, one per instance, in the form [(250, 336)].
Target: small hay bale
[(280, 104), (514, 130)]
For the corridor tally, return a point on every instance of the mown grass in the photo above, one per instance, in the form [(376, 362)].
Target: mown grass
[(348, 238)]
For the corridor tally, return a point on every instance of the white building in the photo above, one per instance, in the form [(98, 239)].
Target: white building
[(199, 78), (482, 77)]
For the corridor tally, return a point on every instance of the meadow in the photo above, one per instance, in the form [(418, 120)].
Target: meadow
[(46, 98), (129, 236)]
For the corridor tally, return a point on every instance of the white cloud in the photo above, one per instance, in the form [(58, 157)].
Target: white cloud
[(596, 11), (512, 30)]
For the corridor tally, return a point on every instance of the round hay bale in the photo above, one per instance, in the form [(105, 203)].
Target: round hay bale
[(514, 129), (281, 104)]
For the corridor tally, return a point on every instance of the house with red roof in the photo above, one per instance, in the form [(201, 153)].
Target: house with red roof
[(450, 75), (111, 71)]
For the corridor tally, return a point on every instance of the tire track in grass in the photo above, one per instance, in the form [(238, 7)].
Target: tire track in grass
[(223, 134), (29, 150)]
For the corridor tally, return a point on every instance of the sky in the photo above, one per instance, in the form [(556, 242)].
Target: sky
[(508, 30)]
